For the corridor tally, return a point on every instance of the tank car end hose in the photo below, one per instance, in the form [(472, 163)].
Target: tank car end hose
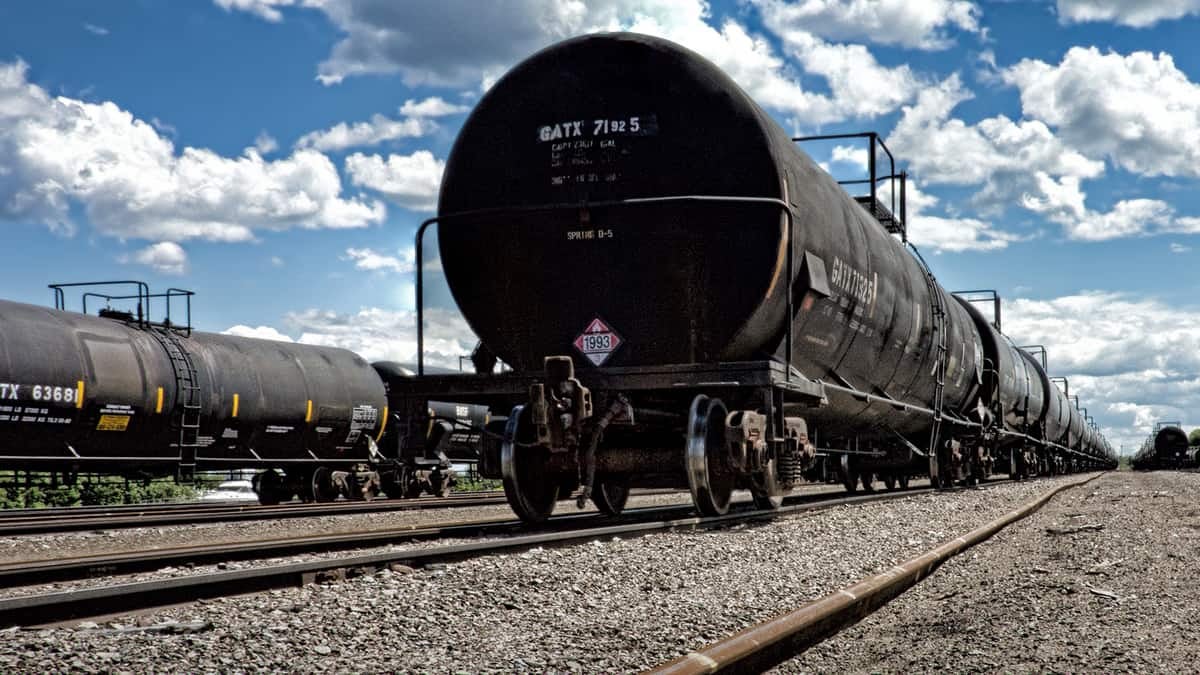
[(617, 405)]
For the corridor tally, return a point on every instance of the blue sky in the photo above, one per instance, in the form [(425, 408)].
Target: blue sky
[(276, 156)]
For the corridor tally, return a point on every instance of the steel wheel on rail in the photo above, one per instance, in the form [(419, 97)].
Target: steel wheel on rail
[(610, 495), (530, 489), (889, 481), (868, 481), (268, 486), (848, 474), (706, 458), (765, 488), (323, 489), (439, 485)]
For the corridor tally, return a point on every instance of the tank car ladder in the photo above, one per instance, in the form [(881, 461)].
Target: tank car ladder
[(938, 325), (187, 401)]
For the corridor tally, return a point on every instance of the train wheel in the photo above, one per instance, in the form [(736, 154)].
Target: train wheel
[(889, 482), (414, 489), (848, 474), (903, 480), (709, 474), (765, 488), (439, 486), (868, 481), (392, 485), (370, 490), (323, 489), (268, 486), (529, 488), (610, 496), (945, 469)]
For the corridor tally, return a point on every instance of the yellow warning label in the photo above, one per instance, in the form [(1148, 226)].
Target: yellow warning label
[(113, 423)]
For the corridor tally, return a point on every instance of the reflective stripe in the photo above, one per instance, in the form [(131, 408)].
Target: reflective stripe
[(384, 425), (158, 406), (236, 400), (308, 413), (79, 395)]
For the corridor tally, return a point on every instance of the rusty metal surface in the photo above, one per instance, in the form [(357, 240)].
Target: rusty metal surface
[(771, 642)]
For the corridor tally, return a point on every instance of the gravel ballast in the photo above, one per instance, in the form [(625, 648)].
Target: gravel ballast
[(1101, 579), (46, 546), (612, 605)]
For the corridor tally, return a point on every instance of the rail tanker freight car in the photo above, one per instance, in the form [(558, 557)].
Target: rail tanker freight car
[(687, 299), (1166, 448), (119, 393)]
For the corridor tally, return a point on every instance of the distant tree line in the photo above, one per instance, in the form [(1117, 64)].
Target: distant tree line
[(36, 489)]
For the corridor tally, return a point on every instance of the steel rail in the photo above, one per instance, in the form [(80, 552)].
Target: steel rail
[(124, 598), (769, 643), (47, 512), (15, 525), (28, 572)]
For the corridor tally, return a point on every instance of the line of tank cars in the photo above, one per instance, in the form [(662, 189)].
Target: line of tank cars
[(682, 296), (1166, 448)]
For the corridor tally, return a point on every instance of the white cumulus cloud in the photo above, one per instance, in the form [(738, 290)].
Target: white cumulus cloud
[(1129, 372), (58, 152), (946, 233), (265, 144), (412, 181), (434, 106), (258, 332), (1139, 111), (378, 334), (378, 129), (467, 43), (1023, 162), (165, 257), (373, 261), (266, 9), (1134, 13), (919, 24)]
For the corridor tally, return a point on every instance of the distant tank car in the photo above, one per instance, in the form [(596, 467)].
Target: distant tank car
[(120, 393), (656, 260), (1165, 448)]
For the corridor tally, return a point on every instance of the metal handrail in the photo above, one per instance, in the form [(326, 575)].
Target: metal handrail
[(1066, 385), (787, 208), (143, 297), (873, 178), (143, 293), (992, 295), (187, 296), (1036, 350)]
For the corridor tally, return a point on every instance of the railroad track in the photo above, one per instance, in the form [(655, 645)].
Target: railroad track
[(769, 643), (24, 573), (47, 608), (41, 521), (78, 518)]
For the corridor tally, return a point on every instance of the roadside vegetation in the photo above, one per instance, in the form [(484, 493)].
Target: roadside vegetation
[(21, 490)]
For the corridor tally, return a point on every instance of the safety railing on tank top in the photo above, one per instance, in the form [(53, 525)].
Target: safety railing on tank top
[(142, 313)]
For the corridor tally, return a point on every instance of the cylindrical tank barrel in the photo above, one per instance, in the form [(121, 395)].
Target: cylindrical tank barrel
[(92, 393), (618, 117), (1171, 445)]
